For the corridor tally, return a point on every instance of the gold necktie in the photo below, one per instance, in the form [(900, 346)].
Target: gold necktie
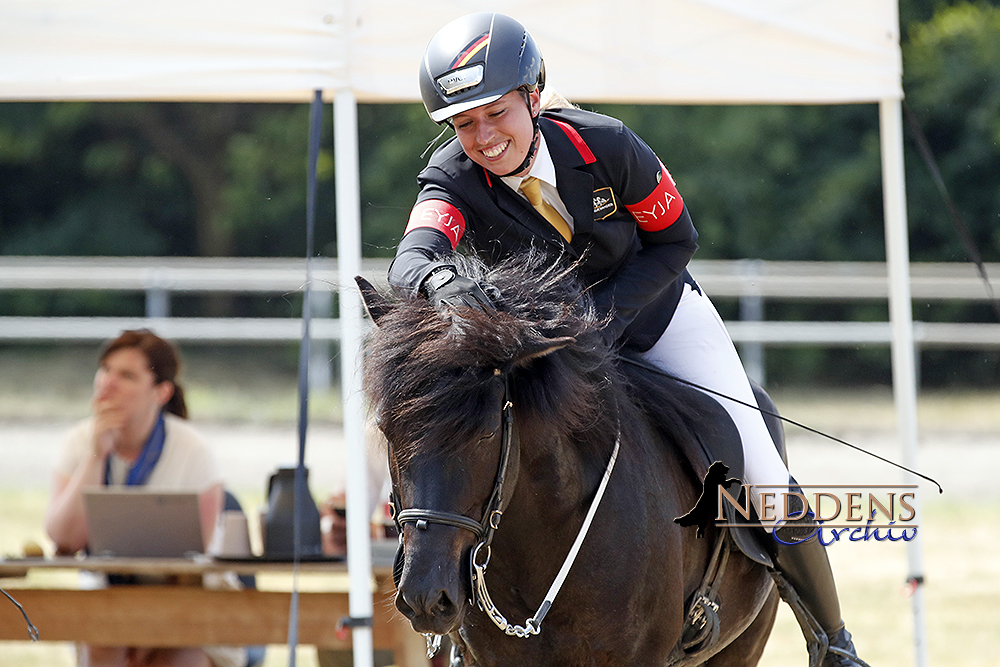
[(532, 189)]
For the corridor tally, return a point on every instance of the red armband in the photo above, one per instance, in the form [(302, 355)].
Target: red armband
[(440, 215), (661, 208)]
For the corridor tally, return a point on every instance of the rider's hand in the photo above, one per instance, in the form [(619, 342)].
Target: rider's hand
[(445, 288)]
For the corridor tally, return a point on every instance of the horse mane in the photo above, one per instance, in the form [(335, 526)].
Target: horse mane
[(428, 373)]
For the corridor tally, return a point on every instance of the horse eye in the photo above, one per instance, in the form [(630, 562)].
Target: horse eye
[(488, 436)]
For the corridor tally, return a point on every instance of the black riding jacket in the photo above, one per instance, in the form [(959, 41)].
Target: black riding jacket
[(628, 218)]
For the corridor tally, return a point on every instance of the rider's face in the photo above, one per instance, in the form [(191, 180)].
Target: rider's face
[(497, 136)]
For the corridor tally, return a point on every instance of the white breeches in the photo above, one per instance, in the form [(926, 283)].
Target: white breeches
[(696, 347)]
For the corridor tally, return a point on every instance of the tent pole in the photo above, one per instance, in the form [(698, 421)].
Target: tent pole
[(904, 377), (359, 561)]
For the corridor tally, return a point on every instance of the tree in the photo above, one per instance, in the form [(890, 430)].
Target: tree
[(952, 82), (772, 182), (156, 179)]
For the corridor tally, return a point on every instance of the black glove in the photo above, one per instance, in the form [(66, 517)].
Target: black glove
[(445, 288)]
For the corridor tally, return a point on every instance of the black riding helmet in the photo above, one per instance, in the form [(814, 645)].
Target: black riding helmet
[(475, 60)]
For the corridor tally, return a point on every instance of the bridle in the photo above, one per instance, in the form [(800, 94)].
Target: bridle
[(484, 530), (492, 511)]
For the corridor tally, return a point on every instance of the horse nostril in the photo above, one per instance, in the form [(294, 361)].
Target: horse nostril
[(436, 605), (443, 607)]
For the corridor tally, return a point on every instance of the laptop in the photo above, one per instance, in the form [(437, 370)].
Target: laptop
[(133, 522)]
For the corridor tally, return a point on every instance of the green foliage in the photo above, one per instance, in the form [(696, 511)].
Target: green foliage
[(772, 182), (391, 141), (952, 81), (158, 179), (263, 201), (72, 185)]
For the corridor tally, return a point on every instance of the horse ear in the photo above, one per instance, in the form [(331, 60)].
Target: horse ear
[(375, 303), (543, 347)]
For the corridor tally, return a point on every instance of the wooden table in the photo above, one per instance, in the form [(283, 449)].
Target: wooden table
[(190, 615)]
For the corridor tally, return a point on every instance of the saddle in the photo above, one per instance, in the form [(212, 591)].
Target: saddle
[(719, 462), (715, 454)]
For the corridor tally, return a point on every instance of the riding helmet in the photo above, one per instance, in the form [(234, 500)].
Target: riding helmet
[(475, 60)]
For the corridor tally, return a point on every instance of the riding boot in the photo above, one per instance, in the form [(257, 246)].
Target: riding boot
[(805, 581)]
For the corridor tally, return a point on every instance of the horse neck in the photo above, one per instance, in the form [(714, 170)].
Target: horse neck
[(557, 473)]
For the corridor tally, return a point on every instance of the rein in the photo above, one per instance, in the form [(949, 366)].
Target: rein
[(484, 530), (533, 625)]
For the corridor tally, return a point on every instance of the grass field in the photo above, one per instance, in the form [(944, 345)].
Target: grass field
[(960, 445)]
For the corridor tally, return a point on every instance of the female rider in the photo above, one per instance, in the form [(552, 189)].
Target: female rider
[(604, 197)]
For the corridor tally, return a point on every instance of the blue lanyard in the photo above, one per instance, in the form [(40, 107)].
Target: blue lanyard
[(148, 457)]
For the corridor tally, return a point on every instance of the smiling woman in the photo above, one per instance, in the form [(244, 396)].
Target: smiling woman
[(586, 193), (500, 135)]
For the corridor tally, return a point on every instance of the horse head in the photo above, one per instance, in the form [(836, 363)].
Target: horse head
[(503, 429), (443, 386)]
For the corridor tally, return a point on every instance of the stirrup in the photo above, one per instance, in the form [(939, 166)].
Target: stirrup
[(853, 658), (455, 657), (817, 640)]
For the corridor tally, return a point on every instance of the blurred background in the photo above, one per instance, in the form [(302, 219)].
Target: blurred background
[(763, 182), (776, 183)]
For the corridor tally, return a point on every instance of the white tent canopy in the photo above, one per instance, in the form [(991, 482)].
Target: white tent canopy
[(669, 51), (660, 51)]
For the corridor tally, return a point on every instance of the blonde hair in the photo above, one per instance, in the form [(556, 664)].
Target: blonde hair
[(553, 100)]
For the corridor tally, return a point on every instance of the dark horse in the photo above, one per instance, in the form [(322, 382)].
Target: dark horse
[(500, 430)]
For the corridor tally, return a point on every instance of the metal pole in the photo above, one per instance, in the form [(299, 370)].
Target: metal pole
[(359, 560), (752, 310), (904, 376)]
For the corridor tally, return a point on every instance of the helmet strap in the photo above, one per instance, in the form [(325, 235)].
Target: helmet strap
[(534, 143), (527, 158)]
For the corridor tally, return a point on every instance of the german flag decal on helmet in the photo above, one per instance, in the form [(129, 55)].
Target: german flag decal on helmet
[(471, 50)]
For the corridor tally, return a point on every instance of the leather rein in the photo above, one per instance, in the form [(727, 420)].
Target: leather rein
[(484, 530)]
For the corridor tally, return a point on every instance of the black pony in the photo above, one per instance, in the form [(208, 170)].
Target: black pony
[(518, 440)]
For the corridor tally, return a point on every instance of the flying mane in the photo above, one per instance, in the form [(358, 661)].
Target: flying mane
[(428, 374)]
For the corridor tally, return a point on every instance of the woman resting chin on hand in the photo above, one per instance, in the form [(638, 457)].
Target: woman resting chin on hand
[(137, 435)]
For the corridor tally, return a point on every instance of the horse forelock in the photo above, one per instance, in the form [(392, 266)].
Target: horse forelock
[(429, 374)]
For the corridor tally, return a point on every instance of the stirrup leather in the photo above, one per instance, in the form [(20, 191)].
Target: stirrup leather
[(817, 640)]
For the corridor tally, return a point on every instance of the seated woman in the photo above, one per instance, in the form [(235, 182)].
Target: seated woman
[(137, 434)]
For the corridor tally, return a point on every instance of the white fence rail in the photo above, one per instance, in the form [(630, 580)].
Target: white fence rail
[(752, 282)]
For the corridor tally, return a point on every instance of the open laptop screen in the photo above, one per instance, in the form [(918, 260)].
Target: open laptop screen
[(142, 523)]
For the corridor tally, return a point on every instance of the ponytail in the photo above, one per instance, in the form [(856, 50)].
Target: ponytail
[(176, 404)]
